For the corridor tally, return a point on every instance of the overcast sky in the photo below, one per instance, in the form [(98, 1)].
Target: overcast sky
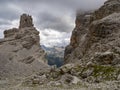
[(53, 18)]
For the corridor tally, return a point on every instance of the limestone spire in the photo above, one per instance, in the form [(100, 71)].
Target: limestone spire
[(26, 21)]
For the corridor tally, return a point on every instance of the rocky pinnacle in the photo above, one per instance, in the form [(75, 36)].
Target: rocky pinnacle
[(26, 21)]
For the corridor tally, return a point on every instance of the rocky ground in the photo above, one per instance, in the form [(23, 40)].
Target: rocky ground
[(69, 76)]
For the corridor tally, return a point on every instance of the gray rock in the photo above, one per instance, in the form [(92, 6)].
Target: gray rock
[(20, 50), (66, 68), (98, 33), (26, 21)]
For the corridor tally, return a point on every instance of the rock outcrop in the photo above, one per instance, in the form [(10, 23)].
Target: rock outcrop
[(78, 37), (20, 50), (97, 41), (26, 21), (108, 8)]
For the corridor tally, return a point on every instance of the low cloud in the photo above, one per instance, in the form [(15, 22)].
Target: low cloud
[(58, 23), (54, 38)]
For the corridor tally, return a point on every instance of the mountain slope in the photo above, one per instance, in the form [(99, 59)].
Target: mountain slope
[(20, 51)]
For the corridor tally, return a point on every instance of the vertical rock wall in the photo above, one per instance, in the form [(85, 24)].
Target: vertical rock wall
[(97, 41)]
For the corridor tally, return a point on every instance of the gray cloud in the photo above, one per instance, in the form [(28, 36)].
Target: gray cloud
[(4, 22), (9, 15), (51, 21)]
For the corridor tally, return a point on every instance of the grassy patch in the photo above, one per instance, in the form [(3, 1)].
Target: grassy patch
[(105, 72)]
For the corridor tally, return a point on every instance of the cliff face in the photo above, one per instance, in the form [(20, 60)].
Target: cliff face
[(20, 51), (108, 8), (73, 50), (97, 41)]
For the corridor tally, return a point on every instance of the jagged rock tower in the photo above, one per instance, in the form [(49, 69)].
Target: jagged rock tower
[(20, 51), (96, 38), (26, 21)]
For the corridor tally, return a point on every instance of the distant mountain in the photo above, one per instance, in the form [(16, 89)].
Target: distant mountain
[(54, 55)]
